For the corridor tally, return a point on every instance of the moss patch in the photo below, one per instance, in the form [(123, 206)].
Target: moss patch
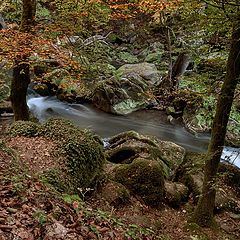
[(24, 128), (83, 151), (191, 171), (80, 153), (127, 146), (143, 178)]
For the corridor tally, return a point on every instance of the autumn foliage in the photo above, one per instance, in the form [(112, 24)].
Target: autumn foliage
[(129, 9)]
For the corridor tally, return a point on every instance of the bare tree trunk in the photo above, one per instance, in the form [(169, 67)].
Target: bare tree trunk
[(28, 15), (19, 86), (21, 75), (203, 214), (179, 68), (176, 70)]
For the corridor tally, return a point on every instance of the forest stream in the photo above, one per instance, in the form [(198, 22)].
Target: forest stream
[(107, 125)]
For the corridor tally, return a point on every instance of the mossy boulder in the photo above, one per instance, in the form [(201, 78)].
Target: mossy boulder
[(147, 71), (113, 193), (121, 96), (62, 84), (83, 150), (190, 173), (4, 90), (57, 76), (176, 193), (58, 179), (127, 146), (155, 54), (192, 106), (143, 178), (80, 156), (127, 57), (24, 128)]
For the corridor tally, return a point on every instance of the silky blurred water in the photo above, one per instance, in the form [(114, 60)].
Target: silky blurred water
[(107, 125)]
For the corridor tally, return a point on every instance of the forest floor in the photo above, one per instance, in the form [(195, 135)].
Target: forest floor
[(30, 209)]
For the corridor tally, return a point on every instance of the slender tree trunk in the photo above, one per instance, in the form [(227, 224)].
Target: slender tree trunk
[(179, 68), (28, 15), (19, 85), (21, 75), (203, 214)]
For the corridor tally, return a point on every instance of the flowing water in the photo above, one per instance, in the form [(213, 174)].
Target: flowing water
[(107, 125)]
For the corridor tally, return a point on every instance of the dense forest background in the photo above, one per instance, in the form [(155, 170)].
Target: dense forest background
[(179, 57)]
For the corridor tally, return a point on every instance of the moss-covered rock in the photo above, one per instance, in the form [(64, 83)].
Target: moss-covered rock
[(4, 90), (127, 57), (24, 128), (153, 57), (80, 153), (143, 178), (58, 179), (190, 173), (127, 146), (113, 193), (57, 76), (84, 151), (121, 96), (147, 71), (176, 193)]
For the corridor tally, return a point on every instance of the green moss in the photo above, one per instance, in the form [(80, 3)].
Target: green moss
[(127, 57), (143, 178), (57, 179), (191, 171), (24, 128), (153, 57), (128, 145), (84, 153), (4, 91), (176, 194), (114, 193), (230, 176), (83, 158)]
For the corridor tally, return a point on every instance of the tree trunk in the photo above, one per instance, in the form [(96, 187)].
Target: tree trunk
[(19, 85), (21, 75), (28, 15), (171, 81), (179, 67), (203, 214)]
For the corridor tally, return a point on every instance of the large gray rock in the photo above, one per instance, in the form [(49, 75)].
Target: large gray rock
[(147, 71), (113, 194), (121, 96), (191, 174), (128, 146), (176, 193), (143, 178)]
